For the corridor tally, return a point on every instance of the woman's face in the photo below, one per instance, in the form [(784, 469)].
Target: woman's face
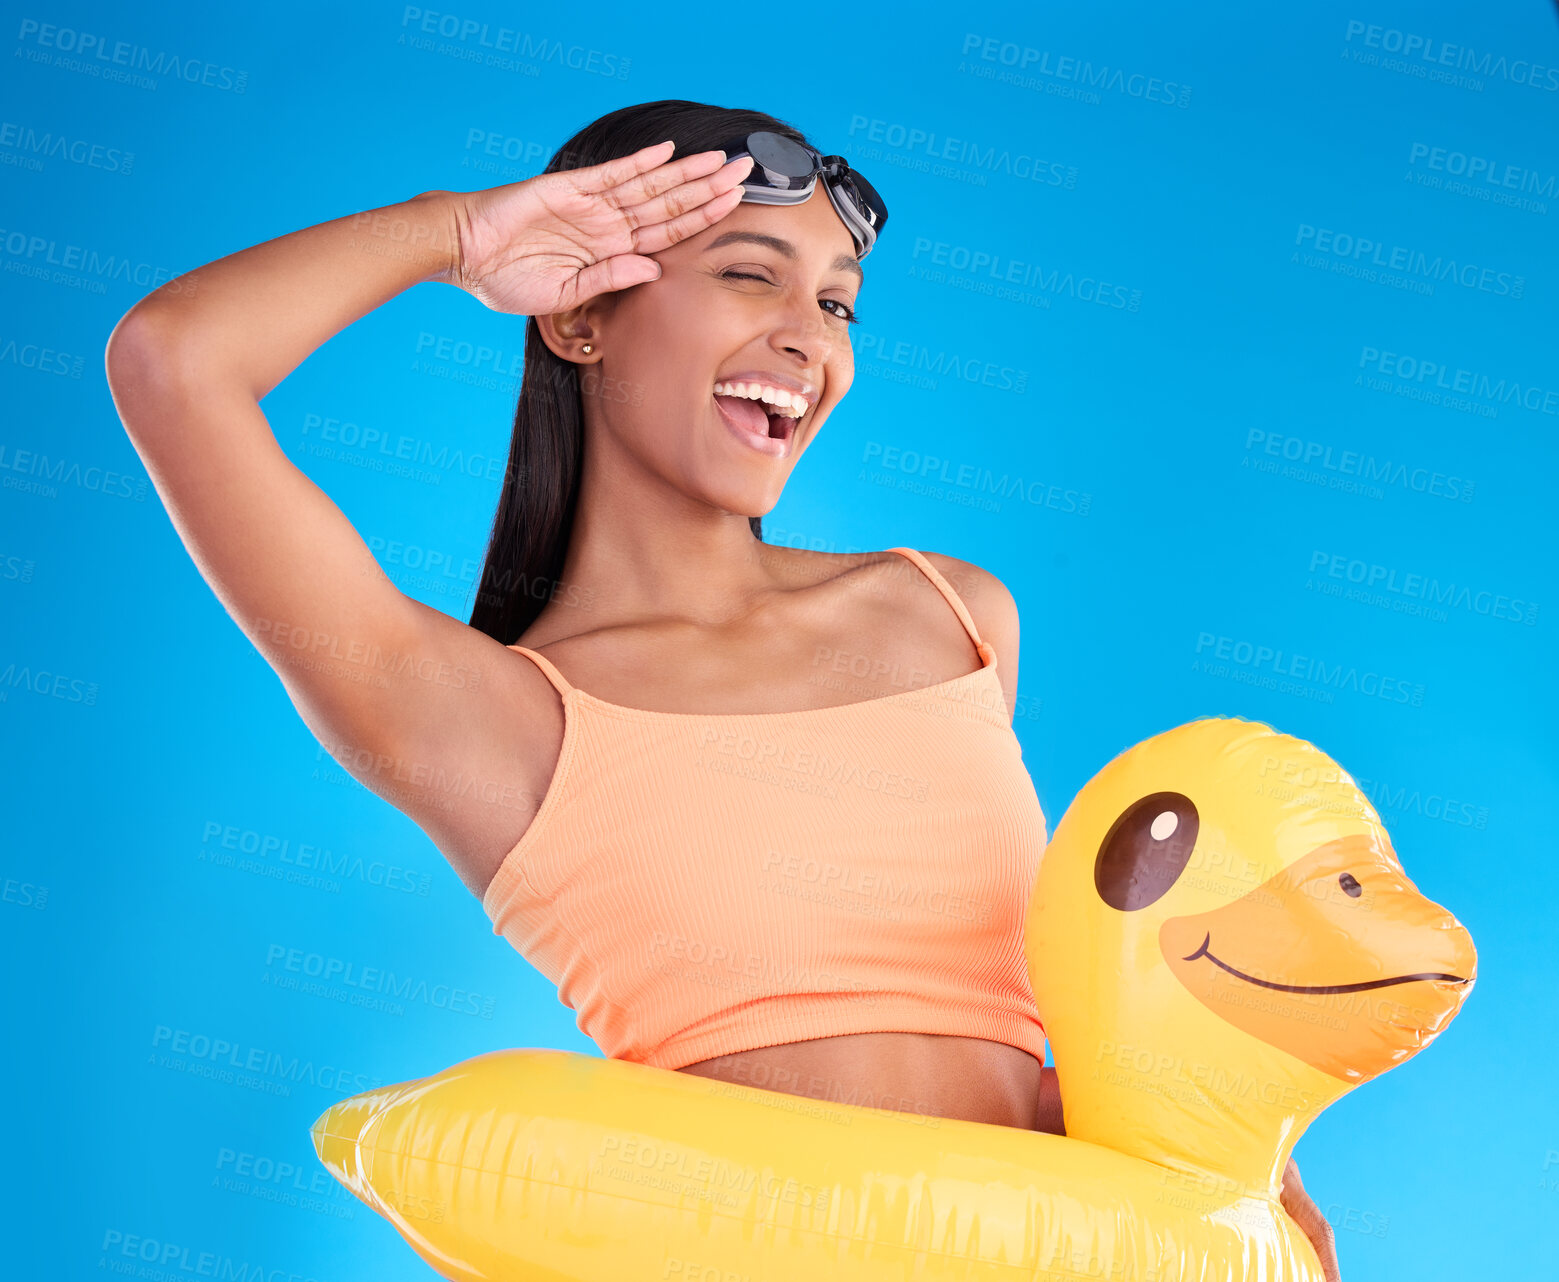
[(762, 296)]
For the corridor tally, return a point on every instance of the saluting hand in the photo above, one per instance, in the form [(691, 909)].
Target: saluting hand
[(556, 240)]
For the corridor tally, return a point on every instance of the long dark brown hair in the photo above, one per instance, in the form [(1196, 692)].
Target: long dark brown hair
[(535, 514)]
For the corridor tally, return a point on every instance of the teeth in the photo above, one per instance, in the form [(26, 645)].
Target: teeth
[(786, 403)]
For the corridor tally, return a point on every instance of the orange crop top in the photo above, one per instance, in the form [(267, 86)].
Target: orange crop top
[(697, 884)]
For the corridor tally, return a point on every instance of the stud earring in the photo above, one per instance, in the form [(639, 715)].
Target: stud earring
[(587, 349)]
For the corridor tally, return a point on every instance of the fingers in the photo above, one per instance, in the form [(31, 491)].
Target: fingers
[(1323, 1238), (632, 179), (1312, 1223), (621, 271), (686, 210), (664, 201), (620, 169), (706, 173), (671, 191)]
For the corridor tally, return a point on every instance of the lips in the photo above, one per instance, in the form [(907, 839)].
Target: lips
[(753, 421), (807, 391)]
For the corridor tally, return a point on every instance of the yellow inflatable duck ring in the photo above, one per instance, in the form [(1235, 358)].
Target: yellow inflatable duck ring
[(1221, 942)]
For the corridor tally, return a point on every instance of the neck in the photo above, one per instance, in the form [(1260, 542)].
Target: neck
[(639, 548)]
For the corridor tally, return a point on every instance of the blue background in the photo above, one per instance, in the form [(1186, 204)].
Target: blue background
[(1161, 516)]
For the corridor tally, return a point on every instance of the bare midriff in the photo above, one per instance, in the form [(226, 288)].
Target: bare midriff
[(963, 1077)]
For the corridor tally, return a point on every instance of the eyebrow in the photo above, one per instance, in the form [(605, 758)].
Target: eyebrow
[(844, 263)]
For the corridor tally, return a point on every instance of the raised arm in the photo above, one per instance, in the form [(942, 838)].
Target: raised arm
[(419, 706), (388, 685)]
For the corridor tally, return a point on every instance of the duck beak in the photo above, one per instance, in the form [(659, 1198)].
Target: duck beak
[(1338, 960)]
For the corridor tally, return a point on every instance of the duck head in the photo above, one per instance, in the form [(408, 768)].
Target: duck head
[(1222, 942)]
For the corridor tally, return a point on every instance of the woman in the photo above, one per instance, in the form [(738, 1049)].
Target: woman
[(688, 336)]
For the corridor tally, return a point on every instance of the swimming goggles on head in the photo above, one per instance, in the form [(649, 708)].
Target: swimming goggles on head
[(784, 172)]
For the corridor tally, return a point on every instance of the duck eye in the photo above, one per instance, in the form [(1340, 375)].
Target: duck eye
[(1145, 851), (1350, 885)]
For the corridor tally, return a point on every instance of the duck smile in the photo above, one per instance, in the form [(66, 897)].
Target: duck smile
[(1346, 907), (1360, 987)]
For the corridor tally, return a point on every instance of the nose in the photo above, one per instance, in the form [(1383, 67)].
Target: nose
[(800, 327)]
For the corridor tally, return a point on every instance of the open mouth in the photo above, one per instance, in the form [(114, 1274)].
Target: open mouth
[(781, 426), (758, 417)]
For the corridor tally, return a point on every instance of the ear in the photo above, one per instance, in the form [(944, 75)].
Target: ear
[(566, 332)]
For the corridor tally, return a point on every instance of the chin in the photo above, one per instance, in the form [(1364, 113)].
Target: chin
[(743, 500)]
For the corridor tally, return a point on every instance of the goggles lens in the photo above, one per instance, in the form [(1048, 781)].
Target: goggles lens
[(784, 172)]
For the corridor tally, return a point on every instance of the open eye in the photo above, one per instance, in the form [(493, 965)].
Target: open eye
[(847, 313), (1350, 885), (1145, 850)]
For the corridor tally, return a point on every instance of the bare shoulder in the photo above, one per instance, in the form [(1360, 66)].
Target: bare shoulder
[(990, 603), (993, 609), (987, 598)]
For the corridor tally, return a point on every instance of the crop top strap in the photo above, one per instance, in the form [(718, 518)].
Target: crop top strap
[(953, 599), (559, 681)]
